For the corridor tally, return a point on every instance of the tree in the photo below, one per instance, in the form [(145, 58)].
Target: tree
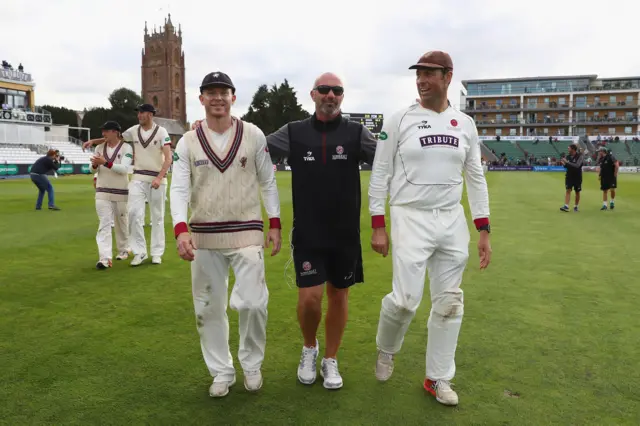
[(272, 108), (94, 119), (124, 99)]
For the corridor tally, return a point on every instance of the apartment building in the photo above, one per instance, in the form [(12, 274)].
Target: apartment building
[(554, 106)]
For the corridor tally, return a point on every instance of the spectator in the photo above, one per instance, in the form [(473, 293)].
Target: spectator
[(39, 170)]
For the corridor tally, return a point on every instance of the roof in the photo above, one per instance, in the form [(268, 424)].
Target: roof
[(539, 78), (173, 126)]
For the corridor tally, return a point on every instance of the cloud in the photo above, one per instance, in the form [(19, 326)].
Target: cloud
[(78, 52)]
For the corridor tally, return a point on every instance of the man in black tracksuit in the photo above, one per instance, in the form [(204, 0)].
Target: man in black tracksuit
[(608, 165), (324, 153), (573, 178)]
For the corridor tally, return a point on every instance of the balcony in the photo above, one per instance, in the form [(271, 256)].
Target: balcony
[(547, 122), (542, 106), (488, 107), (499, 123), (606, 120), (605, 105)]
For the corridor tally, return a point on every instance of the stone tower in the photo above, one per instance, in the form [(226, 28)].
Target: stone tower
[(163, 83)]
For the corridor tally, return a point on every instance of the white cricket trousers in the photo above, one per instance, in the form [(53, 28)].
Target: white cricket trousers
[(249, 297), (139, 193), (111, 213), (437, 241)]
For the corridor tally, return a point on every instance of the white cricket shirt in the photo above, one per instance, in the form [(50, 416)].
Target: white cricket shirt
[(421, 159)]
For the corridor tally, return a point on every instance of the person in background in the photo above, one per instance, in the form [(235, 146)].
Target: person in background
[(573, 178), (39, 170)]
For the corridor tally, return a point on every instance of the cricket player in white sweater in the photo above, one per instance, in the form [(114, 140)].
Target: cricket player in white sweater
[(422, 155), (219, 171), (111, 167), (152, 160)]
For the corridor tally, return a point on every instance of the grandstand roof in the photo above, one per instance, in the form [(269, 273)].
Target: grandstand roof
[(173, 126)]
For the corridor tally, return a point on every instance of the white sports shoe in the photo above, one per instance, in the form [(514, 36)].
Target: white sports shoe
[(329, 371), (252, 380), (384, 366), (138, 259), (122, 256), (156, 260), (307, 367), (441, 389), (220, 389)]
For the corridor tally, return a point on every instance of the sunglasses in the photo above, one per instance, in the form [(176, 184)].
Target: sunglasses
[(324, 90)]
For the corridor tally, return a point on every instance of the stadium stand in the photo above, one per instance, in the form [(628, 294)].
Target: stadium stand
[(72, 152), (17, 154), (510, 149), (634, 148), (621, 152), (542, 150)]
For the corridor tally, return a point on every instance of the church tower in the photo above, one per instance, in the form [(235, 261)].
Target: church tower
[(163, 82)]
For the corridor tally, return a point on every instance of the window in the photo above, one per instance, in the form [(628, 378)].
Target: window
[(176, 80), (545, 130), (155, 101), (498, 132), (612, 130), (596, 100), (484, 132), (498, 117), (629, 99), (178, 102), (596, 114), (581, 115), (156, 78), (627, 130), (498, 101), (513, 132), (532, 103), (581, 100), (612, 99), (628, 115), (582, 131), (612, 114), (562, 101), (513, 118)]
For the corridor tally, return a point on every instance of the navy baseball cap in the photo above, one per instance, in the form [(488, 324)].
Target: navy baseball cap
[(217, 79), (111, 125), (146, 108)]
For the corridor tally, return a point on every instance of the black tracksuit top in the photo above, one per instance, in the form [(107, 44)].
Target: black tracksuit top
[(325, 162)]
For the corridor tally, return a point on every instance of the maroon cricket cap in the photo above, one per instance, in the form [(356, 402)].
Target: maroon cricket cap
[(434, 59)]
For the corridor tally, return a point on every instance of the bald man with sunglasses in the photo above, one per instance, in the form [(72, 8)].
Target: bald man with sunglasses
[(324, 152)]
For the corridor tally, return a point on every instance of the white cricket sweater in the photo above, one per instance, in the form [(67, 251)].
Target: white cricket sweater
[(220, 178), (147, 151), (421, 159), (112, 179)]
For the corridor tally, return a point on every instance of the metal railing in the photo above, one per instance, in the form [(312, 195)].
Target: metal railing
[(559, 121), (551, 105)]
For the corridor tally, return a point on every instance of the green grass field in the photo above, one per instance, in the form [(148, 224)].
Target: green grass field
[(550, 334)]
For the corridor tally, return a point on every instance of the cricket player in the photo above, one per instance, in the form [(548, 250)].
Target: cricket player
[(608, 167), (220, 170), (423, 152), (111, 164), (573, 178), (324, 153), (152, 160)]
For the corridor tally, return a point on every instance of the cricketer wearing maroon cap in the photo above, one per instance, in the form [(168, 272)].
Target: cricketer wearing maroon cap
[(424, 155)]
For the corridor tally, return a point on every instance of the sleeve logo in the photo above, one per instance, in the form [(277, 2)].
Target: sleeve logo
[(383, 136), (128, 155), (167, 139), (176, 157)]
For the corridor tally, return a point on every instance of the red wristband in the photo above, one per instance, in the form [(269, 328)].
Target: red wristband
[(483, 221), (274, 222), (180, 228), (377, 221)]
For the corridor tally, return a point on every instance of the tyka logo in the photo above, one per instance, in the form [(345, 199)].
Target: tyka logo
[(424, 125), (340, 154), (309, 156), (439, 140)]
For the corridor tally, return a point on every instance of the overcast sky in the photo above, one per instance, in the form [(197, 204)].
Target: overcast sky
[(79, 51)]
